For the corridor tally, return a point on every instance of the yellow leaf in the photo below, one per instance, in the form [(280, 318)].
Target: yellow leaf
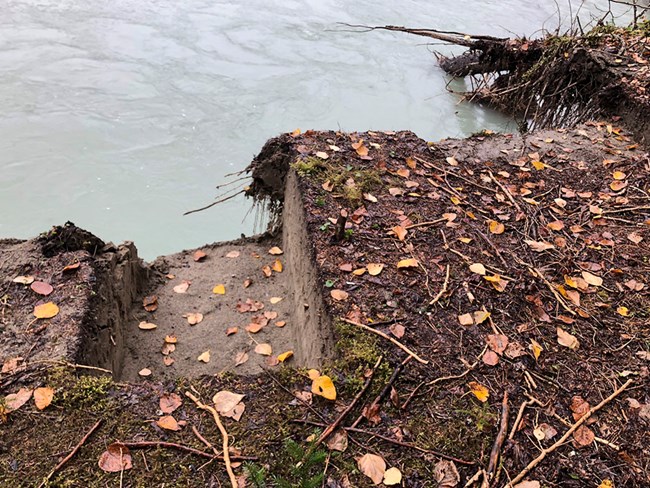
[(619, 175), (373, 466), (477, 268), (146, 326), (219, 290), (455, 200), (392, 476), (43, 397), (264, 349), (313, 374), (496, 227), (606, 484), (46, 310), (623, 311), (359, 271), (339, 295), (567, 340), (617, 185), (536, 348), (479, 391), (480, 316), (465, 240), (277, 266), (274, 300), (556, 225), (276, 251), (400, 232), (204, 357), (538, 165), (408, 263), (284, 356), (374, 268), (323, 386)]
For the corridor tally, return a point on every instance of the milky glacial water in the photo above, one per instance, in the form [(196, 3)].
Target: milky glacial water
[(120, 115)]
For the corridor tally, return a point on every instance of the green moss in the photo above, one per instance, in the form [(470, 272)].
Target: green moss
[(85, 392), (308, 166)]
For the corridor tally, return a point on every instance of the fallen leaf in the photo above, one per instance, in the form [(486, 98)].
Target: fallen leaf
[(204, 357), (280, 323), (168, 422), (171, 339), (170, 402), (168, 361), (338, 441), (267, 271), (633, 236), (567, 340), (277, 266), (254, 327), (43, 397), (407, 263), (400, 232), (374, 268), (466, 319), (606, 483), (617, 185), (194, 318), (236, 412), (323, 386), (392, 476), (556, 225), (41, 288), (150, 303), (284, 356), (479, 391), (144, 372), (623, 311), (233, 254), (264, 349), (241, 357), (322, 155), (477, 268), (446, 474), (23, 280), (276, 251), (46, 310), (167, 349), (231, 330), (579, 406), (497, 342), (198, 255), (539, 246), (247, 283), (313, 374), (496, 227), (147, 325), (328, 186), (14, 401), (592, 279), (225, 401), (536, 348), (274, 300), (373, 467), (490, 358), (339, 295), (219, 290), (397, 330), (182, 288), (370, 197), (583, 436), (480, 316), (115, 458), (528, 484)]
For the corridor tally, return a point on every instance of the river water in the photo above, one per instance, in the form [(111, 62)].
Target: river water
[(120, 115)]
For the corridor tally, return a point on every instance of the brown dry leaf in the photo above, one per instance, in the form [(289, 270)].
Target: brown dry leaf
[(466, 319), (115, 458), (267, 271), (497, 342), (225, 401), (579, 406), (171, 339), (617, 185), (269, 314), (284, 356), (277, 266), (496, 227), (46, 310), (231, 330), (14, 401), (170, 402), (536, 348), (150, 303), (144, 372), (370, 198), (241, 357), (592, 279), (338, 441), (23, 280), (478, 268), (539, 246), (362, 150), (199, 255), (397, 330), (635, 237), (322, 155), (168, 422), (400, 232), (11, 364), (247, 283), (204, 357), (583, 436), (324, 386), (194, 318), (254, 327), (41, 288), (276, 251), (490, 358), (556, 225), (167, 361), (182, 288), (479, 391), (43, 397), (373, 467), (264, 349), (480, 316), (567, 340), (452, 161), (219, 290), (374, 268), (280, 323), (339, 295), (446, 474), (328, 186), (167, 349), (274, 300), (544, 431), (236, 412), (403, 172), (233, 254), (407, 263), (147, 325)]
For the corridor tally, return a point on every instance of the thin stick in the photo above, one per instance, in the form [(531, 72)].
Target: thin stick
[(425, 224), (443, 290), (387, 337), (557, 296), (454, 174), (224, 435), (520, 414), (74, 365), (205, 441), (384, 390), (505, 190), (181, 447), (408, 400), (501, 437), (214, 203), (332, 427), (392, 441), (568, 433), (72, 453)]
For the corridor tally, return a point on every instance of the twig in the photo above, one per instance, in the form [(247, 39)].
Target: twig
[(425, 224), (454, 174), (332, 427), (74, 366), (224, 435), (387, 337), (214, 203), (505, 190), (277, 382), (520, 414), (410, 397), (384, 390), (458, 376), (557, 296), (443, 290), (392, 441), (72, 453), (181, 447), (568, 433), (205, 441), (501, 437)]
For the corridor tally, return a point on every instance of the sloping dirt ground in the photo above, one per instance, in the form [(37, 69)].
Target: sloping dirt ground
[(505, 264)]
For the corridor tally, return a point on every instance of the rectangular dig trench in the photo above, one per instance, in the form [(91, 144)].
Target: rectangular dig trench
[(236, 309)]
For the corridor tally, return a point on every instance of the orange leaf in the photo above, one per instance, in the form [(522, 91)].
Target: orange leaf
[(339, 295), (496, 227), (46, 310), (479, 391), (323, 386), (400, 232), (168, 422), (408, 263), (219, 290)]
